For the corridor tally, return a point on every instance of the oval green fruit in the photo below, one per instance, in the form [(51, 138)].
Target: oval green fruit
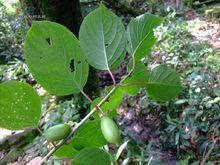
[(110, 130), (57, 132)]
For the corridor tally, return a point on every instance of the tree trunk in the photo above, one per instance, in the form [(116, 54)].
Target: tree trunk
[(67, 13)]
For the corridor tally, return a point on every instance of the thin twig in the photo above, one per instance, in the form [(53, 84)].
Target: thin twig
[(92, 102), (27, 17), (112, 76), (150, 160), (215, 140)]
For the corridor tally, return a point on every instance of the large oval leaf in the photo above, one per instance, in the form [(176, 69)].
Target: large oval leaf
[(102, 35), (141, 36), (20, 105), (89, 135), (89, 156), (55, 59), (66, 151), (164, 83)]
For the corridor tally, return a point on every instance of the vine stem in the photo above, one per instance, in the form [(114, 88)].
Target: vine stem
[(78, 125), (214, 141), (92, 102), (112, 76)]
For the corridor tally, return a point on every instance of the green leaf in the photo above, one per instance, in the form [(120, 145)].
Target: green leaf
[(89, 156), (137, 80), (111, 105), (102, 35), (141, 36), (66, 151), (89, 135), (55, 59), (20, 105), (164, 83), (120, 149)]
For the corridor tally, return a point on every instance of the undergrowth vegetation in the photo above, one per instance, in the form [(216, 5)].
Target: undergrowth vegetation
[(192, 119), (188, 124)]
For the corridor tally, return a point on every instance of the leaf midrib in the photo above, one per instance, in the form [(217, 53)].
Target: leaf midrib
[(151, 83), (103, 37), (141, 42)]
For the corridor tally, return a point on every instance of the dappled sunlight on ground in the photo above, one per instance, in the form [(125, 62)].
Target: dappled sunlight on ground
[(204, 30)]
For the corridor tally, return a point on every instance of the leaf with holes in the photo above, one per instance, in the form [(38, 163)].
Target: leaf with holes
[(141, 36), (89, 135), (164, 83), (55, 59), (20, 105), (89, 156), (102, 35)]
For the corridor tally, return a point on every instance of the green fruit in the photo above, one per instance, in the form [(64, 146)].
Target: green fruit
[(57, 132), (110, 130)]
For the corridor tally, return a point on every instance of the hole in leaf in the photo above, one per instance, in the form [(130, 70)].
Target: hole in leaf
[(106, 45), (48, 40), (72, 67), (79, 62)]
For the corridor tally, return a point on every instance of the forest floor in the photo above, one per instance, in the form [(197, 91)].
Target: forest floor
[(143, 126), (204, 29)]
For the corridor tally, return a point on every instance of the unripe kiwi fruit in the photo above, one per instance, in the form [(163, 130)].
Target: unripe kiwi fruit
[(57, 132), (110, 130)]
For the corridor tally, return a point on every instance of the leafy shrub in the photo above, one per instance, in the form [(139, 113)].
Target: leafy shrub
[(190, 120), (12, 33), (59, 63)]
